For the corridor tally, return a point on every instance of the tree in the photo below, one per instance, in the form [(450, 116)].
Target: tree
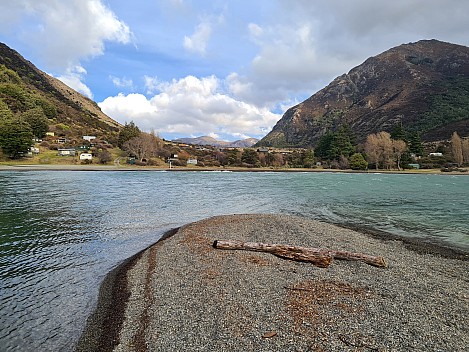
[(415, 144), (249, 156), (16, 137), (398, 132), (232, 157), (334, 144), (5, 112), (127, 132), (308, 158), (372, 149), (323, 148), (144, 146), (358, 162), (379, 149), (465, 150), (456, 148), (104, 156), (37, 120), (398, 147)]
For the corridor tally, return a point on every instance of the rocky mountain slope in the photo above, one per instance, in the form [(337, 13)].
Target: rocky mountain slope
[(423, 85), (71, 109), (207, 140)]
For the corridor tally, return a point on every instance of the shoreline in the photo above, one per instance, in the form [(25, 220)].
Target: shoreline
[(64, 167), (101, 331), (103, 327)]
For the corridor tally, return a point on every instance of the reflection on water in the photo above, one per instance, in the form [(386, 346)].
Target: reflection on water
[(61, 232)]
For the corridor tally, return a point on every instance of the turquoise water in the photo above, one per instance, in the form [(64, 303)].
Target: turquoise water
[(61, 232)]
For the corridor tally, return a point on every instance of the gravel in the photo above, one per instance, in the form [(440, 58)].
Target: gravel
[(187, 296)]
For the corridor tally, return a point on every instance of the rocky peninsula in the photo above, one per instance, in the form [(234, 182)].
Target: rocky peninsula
[(181, 294)]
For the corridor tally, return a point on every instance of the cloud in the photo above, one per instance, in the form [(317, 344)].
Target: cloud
[(121, 82), (303, 45), (74, 78), (63, 33), (197, 42), (151, 84), (191, 106)]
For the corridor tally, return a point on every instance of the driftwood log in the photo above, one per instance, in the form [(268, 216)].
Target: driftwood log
[(319, 257)]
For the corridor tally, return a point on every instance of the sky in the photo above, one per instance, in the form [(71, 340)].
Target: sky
[(227, 69)]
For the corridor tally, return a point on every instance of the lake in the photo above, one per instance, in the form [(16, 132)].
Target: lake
[(62, 231)]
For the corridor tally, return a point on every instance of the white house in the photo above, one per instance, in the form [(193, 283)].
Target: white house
[(89, 138), (66, 151), (435, 154), (86, 156), (191, 161)]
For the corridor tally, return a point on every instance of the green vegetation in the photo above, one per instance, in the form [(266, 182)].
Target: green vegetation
[(128, 132), (15, 137), (449, 106), (333, 145)]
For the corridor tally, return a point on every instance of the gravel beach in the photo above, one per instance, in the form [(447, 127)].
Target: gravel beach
[(181, 294)]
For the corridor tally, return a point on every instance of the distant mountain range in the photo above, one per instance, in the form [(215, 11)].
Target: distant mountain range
[(424, 86), (206, 140)]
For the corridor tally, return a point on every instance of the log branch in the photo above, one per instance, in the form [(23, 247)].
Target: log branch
[(319, 257)]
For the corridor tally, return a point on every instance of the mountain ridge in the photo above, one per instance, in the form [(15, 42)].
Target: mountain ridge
[(207, 140), (73, 109), (424, 86)]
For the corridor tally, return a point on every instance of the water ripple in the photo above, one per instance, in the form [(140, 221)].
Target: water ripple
[(61, 232)]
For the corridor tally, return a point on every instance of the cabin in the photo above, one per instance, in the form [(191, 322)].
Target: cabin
[(86, 156), (191, 161), (436, 154), (66, 152), (89, 138), (62, 140)]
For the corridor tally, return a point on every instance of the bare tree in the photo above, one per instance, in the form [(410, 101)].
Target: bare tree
[(399, 147), (456, 148), (143, 146), (380, 148), (465, 150), (372, 149)]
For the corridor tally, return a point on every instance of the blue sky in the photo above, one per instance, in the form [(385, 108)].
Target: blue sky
[(223, 68)]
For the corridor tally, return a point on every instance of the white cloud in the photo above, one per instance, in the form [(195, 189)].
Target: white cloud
[(303, 45), (197, 42), (74, 78), (121, 82), (151, 84), (63, 33), (191, 106)]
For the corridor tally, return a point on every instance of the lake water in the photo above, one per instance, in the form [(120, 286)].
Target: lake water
[(61, 232)]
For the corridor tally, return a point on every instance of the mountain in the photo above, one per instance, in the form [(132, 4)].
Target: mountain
[(207, 140), (24, 86), (424, 86)]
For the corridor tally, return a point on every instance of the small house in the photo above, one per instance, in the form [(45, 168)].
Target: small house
[(89, 138), (436, 154), (86, 156), (62, 140), (66, 152), (191, 161)]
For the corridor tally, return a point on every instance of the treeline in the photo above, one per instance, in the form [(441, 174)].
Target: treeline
[(337, 150)]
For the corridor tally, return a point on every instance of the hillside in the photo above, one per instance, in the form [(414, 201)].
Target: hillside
[(207, 140), (23, 86), (424, 86)]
